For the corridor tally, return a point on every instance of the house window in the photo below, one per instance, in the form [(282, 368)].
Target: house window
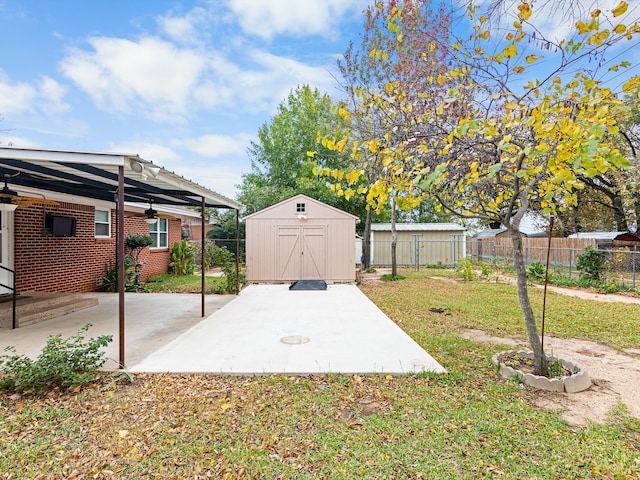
[(103, 223), (301, 208), (160, 234)]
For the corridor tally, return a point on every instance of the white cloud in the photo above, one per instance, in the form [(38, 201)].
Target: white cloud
[(215, 145), (162, 155), (123, 76), (52, 93), (46, 96), (187, 28), (299, 18)]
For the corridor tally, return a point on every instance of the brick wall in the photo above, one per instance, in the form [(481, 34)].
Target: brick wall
[(46, 263)]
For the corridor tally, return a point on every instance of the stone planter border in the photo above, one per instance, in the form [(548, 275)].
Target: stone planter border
[(574, 383)]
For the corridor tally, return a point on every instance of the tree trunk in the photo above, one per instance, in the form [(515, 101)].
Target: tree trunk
[(621, 218), (541, 366), (394, 238), (366, 243)]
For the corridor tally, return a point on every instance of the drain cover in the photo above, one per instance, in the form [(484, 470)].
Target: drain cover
[(294, 340)]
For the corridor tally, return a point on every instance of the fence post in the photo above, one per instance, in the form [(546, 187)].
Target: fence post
[(633, 265), (570, 262)]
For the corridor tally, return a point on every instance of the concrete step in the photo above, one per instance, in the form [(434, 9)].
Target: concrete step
[(38, 307)]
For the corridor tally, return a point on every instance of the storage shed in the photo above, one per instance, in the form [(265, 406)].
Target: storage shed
[(418, 243), (300, 239)]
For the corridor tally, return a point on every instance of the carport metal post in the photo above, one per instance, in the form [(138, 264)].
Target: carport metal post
[(202, 239), (120, 254), (237, 252)]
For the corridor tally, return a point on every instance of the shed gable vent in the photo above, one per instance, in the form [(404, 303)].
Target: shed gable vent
[(301, 208)]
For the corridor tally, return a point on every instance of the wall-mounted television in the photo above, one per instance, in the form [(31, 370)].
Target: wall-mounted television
[(63, 226)]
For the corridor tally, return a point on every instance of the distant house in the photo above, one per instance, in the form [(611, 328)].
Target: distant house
[(418, 243), (606, 240), (300, 239), (490, 233)]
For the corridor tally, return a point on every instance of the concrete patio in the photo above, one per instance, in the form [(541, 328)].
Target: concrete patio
[(266, 329), (270, 329)]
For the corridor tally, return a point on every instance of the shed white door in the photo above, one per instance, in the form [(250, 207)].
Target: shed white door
[(301, 253)]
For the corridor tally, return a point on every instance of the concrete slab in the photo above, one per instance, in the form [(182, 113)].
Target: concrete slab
[(270, 329), (152, 320)]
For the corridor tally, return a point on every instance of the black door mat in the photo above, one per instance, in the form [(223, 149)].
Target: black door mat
[(308, 285)]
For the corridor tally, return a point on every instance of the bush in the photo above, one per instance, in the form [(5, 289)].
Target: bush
[(110, 276), (591, 263), (536, 272), (464, 269), (229, 270), (137, 243), (485, 270), (181, 259), (63, 363)]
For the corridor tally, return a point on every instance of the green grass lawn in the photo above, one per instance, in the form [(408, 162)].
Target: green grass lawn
[(168, 283), (468, 423)]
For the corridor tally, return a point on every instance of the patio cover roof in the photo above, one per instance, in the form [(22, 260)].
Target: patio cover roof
[(95, 175)]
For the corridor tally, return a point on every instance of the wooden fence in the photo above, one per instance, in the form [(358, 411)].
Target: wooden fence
[(563, 250)]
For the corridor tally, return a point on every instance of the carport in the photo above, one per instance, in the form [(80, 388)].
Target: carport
[(110, 177)]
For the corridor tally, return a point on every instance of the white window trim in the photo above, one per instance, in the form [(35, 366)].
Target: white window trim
[(108, 223), (157, 233)]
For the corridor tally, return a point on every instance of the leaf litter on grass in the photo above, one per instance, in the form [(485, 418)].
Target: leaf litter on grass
[(463, 424)]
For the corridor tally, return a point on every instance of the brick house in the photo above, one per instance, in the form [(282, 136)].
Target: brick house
[(78, 190), (47, 263)]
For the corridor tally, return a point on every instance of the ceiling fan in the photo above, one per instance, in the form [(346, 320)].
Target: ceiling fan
[(8, 196)]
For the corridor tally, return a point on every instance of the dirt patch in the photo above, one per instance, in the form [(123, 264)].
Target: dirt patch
[(374, 278), (615, 377)]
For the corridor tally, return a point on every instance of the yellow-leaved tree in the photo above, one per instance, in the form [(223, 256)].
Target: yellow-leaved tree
[(524, 119)]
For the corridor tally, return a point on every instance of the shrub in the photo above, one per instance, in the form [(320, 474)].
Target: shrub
[(110, 276), (181, 259), (536, 272), (464, 269), (591, 263), (63, 363), (229, 270), (137, 243), (220, 256), (485, 270)]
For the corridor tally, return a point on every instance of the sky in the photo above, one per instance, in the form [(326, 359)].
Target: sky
[(183, 83)]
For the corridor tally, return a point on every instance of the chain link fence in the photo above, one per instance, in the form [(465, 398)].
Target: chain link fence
[(228, 244), (621, 264), (419, 252)]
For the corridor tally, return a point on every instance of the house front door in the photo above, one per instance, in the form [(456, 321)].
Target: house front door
[(6, 251)]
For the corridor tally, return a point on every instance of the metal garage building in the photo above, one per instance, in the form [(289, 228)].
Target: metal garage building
[(418, 244), (300, 239)]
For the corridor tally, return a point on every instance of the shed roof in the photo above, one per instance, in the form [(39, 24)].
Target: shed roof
[(418, 227), (300, 198)]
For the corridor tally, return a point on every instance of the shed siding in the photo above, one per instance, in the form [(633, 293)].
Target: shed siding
[(277, 242), (434, 247)]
